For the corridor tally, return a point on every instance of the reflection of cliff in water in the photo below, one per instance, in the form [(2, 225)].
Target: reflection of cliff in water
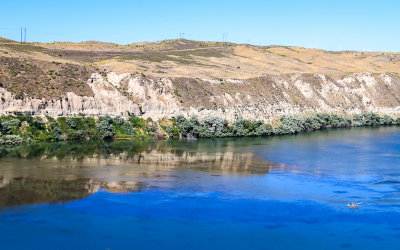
[(206, 155), (27, 190), (61, 172)]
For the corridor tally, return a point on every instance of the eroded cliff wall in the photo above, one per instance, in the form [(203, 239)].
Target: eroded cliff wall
[(264, 98)]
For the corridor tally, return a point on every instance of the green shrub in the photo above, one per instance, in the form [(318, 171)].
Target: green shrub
[(75, 135), (105, 127), (137, 122), (57, 134), (77, 128), (37, 124), (358, 120), (107, 119), (339, 122), (212, 126), (128, 129), (290, 125), (371, 119), (170, 131), (263, 130), (118, 120), (386, 120), (187, 127), (9, 125), (238, 127), (71, 123), (13, 140)]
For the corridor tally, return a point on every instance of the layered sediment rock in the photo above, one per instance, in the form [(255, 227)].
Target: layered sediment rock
[(257, 98)]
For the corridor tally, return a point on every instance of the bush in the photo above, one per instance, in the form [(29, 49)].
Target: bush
[(339, 122), (9, 125), (187, 127), (128, 129), (317, 121), (57, 134), (238, 127), (105, 127), (13, 140), (263, 130), (107, 119), (118, 120), (212, 126), (386, 120), (37, 124), (371, 119), (71, 123), (80, 128), (170, 131), (358, 120), (291, 125)]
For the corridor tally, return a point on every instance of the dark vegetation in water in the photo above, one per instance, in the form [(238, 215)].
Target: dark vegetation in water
[(24, 128), (78, 150)]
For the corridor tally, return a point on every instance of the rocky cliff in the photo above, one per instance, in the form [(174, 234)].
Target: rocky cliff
[(257, 98), (60, 81)]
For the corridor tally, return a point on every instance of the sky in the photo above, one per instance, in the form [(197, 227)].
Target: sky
[(326, 24)]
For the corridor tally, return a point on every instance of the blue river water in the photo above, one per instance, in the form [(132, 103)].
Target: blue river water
[(286, 192)]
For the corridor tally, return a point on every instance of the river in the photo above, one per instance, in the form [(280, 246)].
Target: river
[(281, 192)]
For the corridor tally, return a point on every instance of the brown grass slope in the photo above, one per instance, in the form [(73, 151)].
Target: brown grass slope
[(51, 69)]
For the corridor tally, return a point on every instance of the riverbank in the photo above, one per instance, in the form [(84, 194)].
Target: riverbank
[(24, 128)]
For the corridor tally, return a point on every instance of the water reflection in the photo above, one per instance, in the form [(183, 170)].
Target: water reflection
[(61, 172), (28, 190)]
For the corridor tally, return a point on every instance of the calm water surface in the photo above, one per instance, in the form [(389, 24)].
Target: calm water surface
[(288, 192)]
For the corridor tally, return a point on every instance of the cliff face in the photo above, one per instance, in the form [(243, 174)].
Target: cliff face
[(168, 78), (257, 98)]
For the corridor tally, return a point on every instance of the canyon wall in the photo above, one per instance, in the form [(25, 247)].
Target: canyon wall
[(264, 98)]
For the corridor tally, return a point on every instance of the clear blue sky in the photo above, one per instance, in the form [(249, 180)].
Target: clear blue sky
[(326, 24)]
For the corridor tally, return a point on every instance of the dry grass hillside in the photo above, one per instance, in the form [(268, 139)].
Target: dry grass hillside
[(185, 58)]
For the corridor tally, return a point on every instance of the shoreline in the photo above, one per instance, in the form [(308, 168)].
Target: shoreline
[(25, 129)]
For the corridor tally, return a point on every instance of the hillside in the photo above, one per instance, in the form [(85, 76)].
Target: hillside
[(170, 77)]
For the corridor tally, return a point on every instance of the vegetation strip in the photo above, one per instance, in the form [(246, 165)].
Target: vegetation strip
[(25, 128)]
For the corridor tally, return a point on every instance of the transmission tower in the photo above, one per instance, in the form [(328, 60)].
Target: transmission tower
[(224, 37)]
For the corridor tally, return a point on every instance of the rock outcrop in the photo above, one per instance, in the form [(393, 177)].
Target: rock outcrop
[(257, 98)]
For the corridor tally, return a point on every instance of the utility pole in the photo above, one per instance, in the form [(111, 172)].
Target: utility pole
[(181, 36), (25, 35), (21, 35), (224, 37)]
